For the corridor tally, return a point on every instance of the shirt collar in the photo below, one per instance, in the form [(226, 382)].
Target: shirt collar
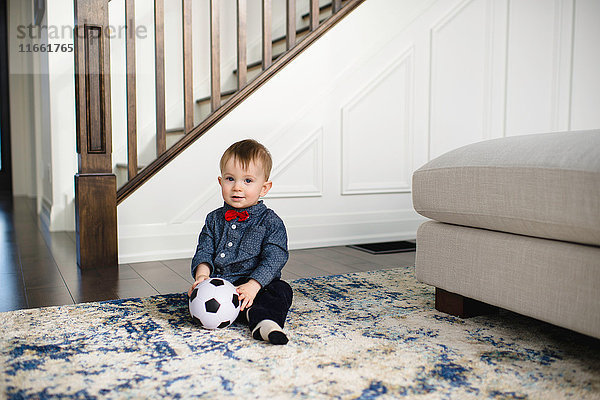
[(256, 209)]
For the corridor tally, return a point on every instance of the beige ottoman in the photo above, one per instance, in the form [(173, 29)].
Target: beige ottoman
[(516, 225)]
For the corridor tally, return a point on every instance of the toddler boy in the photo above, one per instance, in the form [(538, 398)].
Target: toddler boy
[(245, 242)]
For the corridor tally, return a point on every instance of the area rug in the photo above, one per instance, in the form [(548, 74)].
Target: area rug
[(357, 336)]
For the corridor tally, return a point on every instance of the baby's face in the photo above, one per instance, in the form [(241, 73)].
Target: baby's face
[(242, 188)]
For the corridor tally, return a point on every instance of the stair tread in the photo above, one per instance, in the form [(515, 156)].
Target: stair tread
[(298, 32), (223, 94), (321, 9), (275, 56), (259, 62), (125, 165)]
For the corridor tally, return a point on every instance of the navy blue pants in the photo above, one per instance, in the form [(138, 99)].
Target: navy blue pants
[(271, 302)]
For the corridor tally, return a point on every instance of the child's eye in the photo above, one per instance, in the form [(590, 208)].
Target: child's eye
[(229, 178), (248, 180)]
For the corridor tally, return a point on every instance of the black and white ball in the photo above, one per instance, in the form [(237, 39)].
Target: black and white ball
[(214, 303)]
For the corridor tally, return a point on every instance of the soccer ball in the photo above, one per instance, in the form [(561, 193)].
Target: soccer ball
[(214, 303)]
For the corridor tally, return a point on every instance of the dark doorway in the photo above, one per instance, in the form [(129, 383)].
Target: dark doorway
[(5, 160)]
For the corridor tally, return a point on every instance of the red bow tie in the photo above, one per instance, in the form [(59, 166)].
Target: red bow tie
[(232, 214)]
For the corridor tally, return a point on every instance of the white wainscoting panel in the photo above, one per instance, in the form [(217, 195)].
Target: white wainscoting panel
[(376, 129), (300, 174), (460, 76), (585, 90), (533, 43), (563, 61)]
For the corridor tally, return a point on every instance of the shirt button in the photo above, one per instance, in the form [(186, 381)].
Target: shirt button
[(222, 255), (233, 226), (229, 244)]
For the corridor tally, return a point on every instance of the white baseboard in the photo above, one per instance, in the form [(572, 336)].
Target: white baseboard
[(45, 214), (156, 244), (356, 228), (156, 256)]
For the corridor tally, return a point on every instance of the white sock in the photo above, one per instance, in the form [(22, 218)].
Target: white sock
[(270, 331)]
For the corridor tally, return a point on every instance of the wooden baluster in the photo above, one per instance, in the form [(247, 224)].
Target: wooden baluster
[(336, 5), (215, 55), (267, 45), (242, 65), (159, 53), (290, 37), (314, 14), (188, 81), (132, 158), (95, 184)]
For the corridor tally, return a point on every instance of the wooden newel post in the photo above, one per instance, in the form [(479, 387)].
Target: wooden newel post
[(95, 184)]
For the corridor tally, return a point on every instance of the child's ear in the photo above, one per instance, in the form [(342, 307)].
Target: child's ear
[(265, 188), (219, 179)]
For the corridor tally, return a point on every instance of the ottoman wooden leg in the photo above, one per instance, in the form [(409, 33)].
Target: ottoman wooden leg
[(460, 306)]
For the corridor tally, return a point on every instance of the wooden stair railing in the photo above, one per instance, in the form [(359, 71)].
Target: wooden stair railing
[(95, 184), (96, 194)]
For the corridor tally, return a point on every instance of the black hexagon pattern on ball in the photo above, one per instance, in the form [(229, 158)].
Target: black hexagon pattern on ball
[(224, 324), (212, 306), (235, 300), (217, 282)]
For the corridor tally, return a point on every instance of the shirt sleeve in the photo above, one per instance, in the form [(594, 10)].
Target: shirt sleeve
[(205, 249), (274, 253)]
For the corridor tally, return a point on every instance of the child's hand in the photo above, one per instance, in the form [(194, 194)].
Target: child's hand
[(199, 279), (248, 292), (202, 274)]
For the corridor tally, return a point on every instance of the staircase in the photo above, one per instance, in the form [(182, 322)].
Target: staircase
[(254, 69), (210, 108), (96, 197)]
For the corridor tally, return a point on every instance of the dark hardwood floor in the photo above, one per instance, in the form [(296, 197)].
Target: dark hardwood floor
[(39, 269)]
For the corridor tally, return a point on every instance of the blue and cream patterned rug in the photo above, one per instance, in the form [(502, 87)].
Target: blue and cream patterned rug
[(365, 335)]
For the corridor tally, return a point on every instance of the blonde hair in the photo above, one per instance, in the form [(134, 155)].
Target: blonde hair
[(245, 152)]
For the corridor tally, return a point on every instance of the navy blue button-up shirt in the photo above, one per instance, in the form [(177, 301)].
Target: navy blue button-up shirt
[(255, 248)]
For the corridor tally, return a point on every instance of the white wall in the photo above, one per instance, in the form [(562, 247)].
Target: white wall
[(585, 88), (21, 103), (43, 112), (390, 87), (61, 82), (347, 122)]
